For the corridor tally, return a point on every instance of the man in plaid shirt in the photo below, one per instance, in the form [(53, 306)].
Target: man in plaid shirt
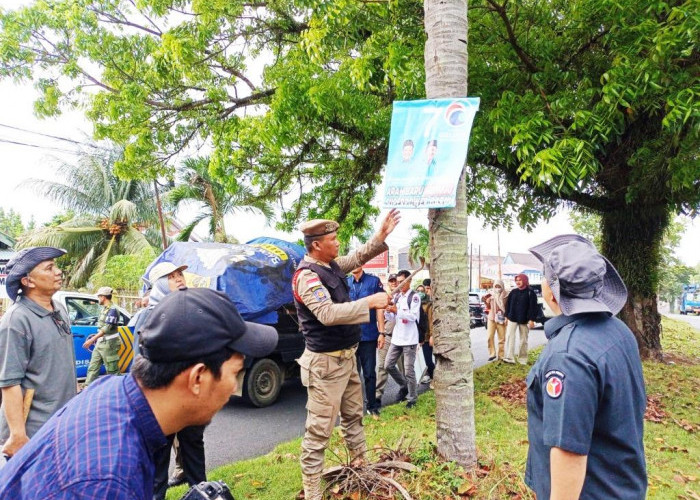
[(101, 444)]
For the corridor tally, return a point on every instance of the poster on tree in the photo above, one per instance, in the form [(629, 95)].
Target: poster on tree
[(427, 150)]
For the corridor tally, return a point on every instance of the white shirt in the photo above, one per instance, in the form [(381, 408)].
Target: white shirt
[(406, 329)]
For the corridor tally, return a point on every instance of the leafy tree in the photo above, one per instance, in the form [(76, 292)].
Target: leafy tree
[(215, 199), (109, 214), (123, 272), (587, 225), (11, 223), (419, 246), (590, 103)]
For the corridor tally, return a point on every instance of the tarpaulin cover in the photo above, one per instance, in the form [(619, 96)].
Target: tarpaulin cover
[(256, 276)]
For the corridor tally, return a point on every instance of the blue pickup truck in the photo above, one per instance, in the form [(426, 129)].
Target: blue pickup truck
[(690, 300), (83, 310)]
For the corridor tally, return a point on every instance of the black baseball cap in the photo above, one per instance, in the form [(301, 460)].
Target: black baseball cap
[(192, 323)]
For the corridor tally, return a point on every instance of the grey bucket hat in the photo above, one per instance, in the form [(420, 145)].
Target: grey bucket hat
[(581, 279), (23, 262)]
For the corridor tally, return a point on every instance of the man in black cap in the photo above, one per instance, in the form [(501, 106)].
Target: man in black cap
[(192, 349), (37, 359), (330, 323), (586, 396)]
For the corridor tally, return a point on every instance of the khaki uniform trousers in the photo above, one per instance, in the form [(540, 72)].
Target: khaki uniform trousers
[(494, 327), (105, 352), (333, 387), (510, 341)]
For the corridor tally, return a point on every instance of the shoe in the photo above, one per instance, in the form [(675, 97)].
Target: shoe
[(402, 394), (176, 481), (492, 358), (373, 412), (426, 379), (509, 361), (522, 362), (410, 404)]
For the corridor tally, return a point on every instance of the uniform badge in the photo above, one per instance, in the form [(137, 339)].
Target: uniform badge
[(320, 294), (555, 385)]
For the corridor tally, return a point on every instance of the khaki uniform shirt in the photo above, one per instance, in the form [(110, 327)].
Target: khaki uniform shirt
[(102, 326), (316, 297)]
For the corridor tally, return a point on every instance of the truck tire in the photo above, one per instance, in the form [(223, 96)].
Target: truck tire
[(262, 383)]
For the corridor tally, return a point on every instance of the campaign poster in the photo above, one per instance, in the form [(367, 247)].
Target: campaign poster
[(427, 151)]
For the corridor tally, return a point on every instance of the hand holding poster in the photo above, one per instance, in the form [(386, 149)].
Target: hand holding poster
[(427, 150)]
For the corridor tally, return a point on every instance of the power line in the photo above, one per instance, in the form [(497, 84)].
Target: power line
[(73, 141), (39, 146)]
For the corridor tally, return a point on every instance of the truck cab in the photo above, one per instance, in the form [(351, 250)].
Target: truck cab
[(83, 311), (690, 300)]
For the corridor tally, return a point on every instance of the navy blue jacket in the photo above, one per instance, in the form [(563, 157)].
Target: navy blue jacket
[(368, 285), (585, 395)]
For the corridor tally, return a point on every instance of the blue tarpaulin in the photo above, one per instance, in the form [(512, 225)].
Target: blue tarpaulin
[(256, 276)]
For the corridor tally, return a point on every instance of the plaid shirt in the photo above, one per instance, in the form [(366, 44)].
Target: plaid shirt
[(100, 445)]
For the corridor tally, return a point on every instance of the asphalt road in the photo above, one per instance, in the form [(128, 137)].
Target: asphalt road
[(240, 431), (692, 319)]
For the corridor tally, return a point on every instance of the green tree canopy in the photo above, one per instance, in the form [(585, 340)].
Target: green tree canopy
[(11, 223), (589, 103)]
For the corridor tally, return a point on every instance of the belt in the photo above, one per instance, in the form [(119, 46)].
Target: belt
[(110, 337), (343, 353)]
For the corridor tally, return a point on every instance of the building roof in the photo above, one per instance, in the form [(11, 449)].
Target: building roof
[(524, 259), (6, 241)]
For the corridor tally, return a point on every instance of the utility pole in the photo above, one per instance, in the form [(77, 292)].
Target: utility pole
[(160, 215), (498, 243)]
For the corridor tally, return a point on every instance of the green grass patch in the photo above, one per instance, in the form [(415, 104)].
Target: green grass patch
[(672, 444)]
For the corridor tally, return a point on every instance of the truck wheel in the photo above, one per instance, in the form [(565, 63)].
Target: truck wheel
[(262, 383)]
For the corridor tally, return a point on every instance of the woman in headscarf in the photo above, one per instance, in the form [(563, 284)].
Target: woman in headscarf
[(521, 312), (497, 319)]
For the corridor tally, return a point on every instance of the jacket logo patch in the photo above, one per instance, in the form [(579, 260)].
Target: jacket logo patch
[(555, 386)]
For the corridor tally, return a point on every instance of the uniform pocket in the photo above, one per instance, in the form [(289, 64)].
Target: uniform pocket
[(320, 418)]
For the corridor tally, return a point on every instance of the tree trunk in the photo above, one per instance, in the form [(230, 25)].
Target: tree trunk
[(446, 76), (632, 239)]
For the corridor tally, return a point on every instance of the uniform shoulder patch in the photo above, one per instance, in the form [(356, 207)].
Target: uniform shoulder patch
[(555, 383), (320, 294)]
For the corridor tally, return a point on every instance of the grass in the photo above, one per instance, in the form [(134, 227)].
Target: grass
[(672, 445)]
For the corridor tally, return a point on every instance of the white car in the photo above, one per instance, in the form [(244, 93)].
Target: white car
[(545, 312)]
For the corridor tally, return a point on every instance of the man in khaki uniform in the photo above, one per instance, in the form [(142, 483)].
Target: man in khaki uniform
[(106, 340), (329, 321), (389, 323)]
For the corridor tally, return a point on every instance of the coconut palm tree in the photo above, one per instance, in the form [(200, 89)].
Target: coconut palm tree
[(419, 246), (110, 214), (215, 200)]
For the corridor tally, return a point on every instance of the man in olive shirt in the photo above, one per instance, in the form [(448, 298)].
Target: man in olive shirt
[(106, 340), (330, 323), (37, 361)]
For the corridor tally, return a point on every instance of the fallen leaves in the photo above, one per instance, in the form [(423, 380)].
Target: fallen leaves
[(514, 392), (655, 409)]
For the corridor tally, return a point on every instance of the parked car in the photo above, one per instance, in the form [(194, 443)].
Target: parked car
[(477, 317), (545, 312), (83, 311)]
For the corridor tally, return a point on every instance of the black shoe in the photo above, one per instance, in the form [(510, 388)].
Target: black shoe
[(373, 411), (402, 394), (410, 404), (176, 481), (492, 358)]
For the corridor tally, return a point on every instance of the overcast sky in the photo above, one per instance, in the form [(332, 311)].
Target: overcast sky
[(20, 162)]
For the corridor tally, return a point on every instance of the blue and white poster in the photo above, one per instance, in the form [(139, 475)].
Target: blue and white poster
[(427, 150)]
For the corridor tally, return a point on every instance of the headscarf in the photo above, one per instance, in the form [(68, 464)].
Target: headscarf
[(499, 299), (159, 291), (524, 280)]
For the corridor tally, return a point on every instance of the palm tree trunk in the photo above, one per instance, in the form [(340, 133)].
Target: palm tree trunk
[(446, 76)]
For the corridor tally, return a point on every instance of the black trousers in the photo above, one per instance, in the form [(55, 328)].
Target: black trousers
[(192, 452), (428, 355), (367, 368)]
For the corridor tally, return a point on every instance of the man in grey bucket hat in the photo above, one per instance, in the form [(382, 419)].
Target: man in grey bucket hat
[(37, 361), (586, 396)]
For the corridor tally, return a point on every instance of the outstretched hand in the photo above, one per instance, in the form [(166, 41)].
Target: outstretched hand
[(390, 222)]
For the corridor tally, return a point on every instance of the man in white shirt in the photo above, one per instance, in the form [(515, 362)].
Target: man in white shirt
[(405, 338)]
